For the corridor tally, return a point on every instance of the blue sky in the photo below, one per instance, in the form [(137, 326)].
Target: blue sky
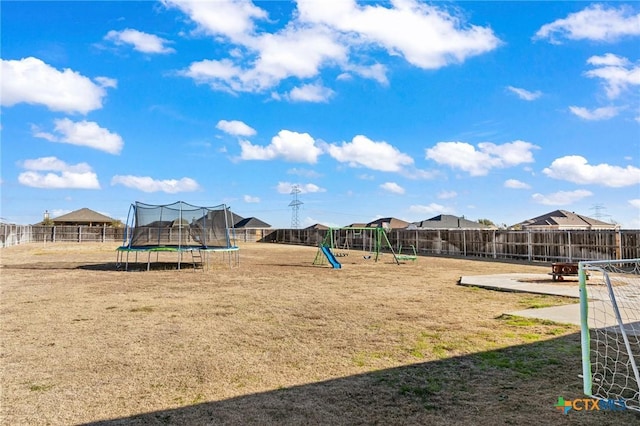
[(496, 110)]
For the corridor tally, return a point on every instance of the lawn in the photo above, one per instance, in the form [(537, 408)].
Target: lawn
[(277, 340)]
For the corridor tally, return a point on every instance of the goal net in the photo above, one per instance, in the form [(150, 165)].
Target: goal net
[(610, 329)]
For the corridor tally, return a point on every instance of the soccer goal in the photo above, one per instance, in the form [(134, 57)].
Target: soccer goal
[(610, 330)]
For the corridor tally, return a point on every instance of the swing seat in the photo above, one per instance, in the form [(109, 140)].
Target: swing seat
[(411, 257)]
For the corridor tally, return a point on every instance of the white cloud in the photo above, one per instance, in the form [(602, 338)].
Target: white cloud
[(525, 94), (307, 188), (60, 174), (59, 212), (362, 151), (431, 209), (576, 169), (464, 156), (288, 145), (516, 184), (221, 75), (392, 187), (235, 128), (83, 133), (344, 35), (415, 173), (304, 173), (148, 184), (635, 203), (617, 73), (423, 35), (54, 164), (228, 18), (251, 199), (603, 113), (31, 81), (446, 195), (292, 53), (608, 59), (561, 198), (377, 72), (296, 51), (596, 22), (107, 82), (142, 42), (310, 93)]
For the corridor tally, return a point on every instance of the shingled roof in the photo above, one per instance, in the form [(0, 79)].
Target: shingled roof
[(392, 222), (251, 223), (83, 216), (562, 219), (318, 226), (447, 221)]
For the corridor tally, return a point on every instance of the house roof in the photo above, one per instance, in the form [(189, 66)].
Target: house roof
[(235, 218), (447, 221), (317, 226), (83, 215), (566, 219), (392, 221), (356, 225), (251, 222)]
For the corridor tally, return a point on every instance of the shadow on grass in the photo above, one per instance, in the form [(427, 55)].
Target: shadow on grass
[(108, 266), (519, 385)]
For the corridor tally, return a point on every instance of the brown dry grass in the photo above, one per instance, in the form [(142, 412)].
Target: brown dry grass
[(276, 340)]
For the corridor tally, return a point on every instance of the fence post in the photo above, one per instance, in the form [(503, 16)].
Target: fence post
[(495, 254), (464, 242)]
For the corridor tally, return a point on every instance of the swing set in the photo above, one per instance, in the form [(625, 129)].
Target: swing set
[(340, 242)]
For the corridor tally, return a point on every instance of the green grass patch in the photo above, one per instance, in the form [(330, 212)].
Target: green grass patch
[(39, 388), (142, 309), (363, 359), (431, 387), (518, 321), (544, 301)]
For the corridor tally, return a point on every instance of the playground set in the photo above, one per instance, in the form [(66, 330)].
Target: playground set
[(368, 243)]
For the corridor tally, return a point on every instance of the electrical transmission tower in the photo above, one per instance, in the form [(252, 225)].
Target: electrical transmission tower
[(598, 214), (295, 207)]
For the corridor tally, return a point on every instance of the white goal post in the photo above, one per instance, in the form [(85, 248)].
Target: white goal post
[(610, 330)]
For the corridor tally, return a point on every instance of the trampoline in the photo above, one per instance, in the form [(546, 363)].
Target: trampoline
[(179, 228)]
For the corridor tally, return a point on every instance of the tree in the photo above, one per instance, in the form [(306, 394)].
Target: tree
[(486, 222)]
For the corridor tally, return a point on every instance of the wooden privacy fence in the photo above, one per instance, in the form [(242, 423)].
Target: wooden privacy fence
[(533, 246), (529, 245), (11, 235), (21, 234)]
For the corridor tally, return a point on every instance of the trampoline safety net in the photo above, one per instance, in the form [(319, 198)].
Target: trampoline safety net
[(180, 225)]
